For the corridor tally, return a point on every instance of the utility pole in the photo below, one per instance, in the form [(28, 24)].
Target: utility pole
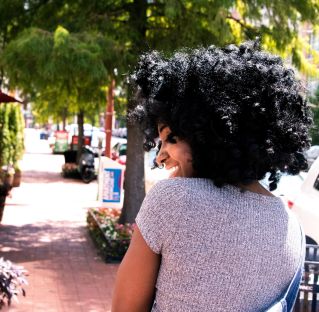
[(109, 118)]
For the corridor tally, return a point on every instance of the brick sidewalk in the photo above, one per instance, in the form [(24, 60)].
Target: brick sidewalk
[(43, 229)]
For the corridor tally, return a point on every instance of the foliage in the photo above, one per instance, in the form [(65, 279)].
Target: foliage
[(110, 237), (11, 134), (12, 279), (16, 126), (68, 64), (63, 71), (168, 25), (120, 104), (5, 144)]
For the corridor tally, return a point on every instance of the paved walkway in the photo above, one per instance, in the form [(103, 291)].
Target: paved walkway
[(43, 229)]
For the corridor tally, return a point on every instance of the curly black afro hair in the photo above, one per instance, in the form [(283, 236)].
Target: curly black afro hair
[(242, 112)]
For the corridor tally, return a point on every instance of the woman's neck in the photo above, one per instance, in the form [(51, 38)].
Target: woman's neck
[(255, 187)]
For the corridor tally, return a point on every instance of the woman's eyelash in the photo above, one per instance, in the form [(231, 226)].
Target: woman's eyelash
[(171, 138)]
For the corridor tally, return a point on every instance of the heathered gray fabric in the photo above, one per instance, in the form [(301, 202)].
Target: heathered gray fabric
[(222, 249)]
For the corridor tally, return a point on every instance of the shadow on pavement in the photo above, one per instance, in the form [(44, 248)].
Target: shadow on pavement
[(41, 241), (65, 273), (35, 176)]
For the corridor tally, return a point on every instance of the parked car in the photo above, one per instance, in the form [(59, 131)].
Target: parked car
[(288, 186), (118, 152), (120, 132), (306, 204), (312, 154)]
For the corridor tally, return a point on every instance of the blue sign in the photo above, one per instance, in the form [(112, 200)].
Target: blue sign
[(111, 185)]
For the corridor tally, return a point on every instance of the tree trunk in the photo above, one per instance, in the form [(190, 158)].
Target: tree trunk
[(134, 182), (64, 115), (80, 135)]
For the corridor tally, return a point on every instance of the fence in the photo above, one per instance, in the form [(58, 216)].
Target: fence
[(307, 300)]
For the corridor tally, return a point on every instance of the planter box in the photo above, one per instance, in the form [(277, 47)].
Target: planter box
[(70, 170), (112, 250), (2, 204), (4, 190)]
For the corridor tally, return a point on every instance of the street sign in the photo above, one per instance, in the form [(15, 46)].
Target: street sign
[(110, 190)]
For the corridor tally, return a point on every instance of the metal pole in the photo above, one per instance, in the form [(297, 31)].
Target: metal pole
[(109, 118)]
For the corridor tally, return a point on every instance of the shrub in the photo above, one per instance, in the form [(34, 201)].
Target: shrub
[(12, 279), (11, 134)]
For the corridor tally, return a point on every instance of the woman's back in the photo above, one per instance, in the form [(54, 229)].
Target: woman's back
[(220, 118), (222, 249)]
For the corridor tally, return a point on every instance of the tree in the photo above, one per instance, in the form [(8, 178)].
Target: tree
[(15, 16), (168, 25), (126, 28), (67, 67)]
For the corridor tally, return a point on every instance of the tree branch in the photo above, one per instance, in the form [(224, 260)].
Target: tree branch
[(237, 20)]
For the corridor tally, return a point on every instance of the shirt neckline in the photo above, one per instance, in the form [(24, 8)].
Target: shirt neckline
[(232, 188)]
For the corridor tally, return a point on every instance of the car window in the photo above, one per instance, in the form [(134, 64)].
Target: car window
[(316, 184), (122, 150)]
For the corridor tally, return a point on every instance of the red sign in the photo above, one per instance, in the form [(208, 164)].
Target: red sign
[(86, 141)]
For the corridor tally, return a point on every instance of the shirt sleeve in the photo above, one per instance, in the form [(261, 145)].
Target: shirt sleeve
[(153, 219)]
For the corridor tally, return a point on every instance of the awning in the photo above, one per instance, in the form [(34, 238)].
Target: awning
[(5, 98)]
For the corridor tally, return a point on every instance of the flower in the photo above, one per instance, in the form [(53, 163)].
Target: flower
[(12, 280), (110, 236)]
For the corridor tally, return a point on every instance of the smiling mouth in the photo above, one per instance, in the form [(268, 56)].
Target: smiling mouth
[(173, 171)]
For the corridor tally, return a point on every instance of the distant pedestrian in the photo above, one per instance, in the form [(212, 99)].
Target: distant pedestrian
[(211, 238)]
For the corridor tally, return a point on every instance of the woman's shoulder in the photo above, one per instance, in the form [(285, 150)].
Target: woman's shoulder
[(179, 187), (176, 191)]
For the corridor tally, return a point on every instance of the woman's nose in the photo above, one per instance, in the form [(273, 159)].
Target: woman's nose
[(161, 157)]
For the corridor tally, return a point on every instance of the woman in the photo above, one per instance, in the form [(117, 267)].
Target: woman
[(211, 238)]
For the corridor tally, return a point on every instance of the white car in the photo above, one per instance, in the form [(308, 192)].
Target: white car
[(306, 204), (287, 187), (312, 154)]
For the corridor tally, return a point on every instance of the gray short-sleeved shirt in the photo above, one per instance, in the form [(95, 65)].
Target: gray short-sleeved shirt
[(222, 249)]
